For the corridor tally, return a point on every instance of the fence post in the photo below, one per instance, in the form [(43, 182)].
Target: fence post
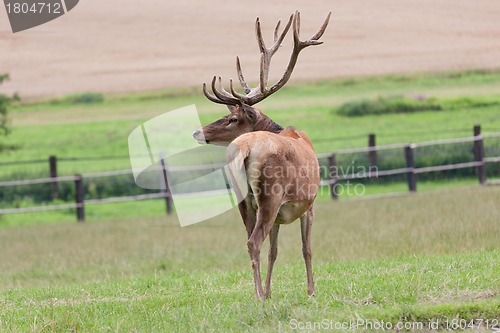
[(372, 153), (332, 168), (410, 164), (479, 154), (79, 198), (53, 174), (166, 189)]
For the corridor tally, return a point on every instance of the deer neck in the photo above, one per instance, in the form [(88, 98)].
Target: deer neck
[(268, 125)]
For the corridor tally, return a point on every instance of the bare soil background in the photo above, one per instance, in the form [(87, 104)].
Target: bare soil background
[(126, 45)]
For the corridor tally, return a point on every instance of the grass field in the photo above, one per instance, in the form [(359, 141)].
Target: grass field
[(429, 258), (415, 259)]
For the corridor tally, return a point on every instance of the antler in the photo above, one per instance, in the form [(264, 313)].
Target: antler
[(257, 94)]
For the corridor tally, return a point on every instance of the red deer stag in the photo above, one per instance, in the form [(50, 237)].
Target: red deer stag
[(281, 167)]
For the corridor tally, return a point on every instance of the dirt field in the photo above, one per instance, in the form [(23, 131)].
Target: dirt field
[(126, 45)]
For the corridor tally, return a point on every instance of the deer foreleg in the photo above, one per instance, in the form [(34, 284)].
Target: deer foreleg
[(305, 227), (273, 254)]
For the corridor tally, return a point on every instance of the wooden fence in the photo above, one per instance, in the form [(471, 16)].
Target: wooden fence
[(80, 201), (478, 151), (479, 163)]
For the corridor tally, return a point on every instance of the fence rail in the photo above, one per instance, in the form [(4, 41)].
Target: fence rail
[(407, 150), (37, 181)]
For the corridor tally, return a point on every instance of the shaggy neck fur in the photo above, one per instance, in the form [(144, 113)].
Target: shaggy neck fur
[(268, 125)]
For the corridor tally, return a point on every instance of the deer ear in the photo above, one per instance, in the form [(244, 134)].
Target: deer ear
[(251, 113), (232, 108)]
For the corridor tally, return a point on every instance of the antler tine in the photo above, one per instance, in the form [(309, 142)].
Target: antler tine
[(215, 91), (235, 93), (210, 96), (223, 96), (297, 22), (243, 83), (276, 30), (258, 34), (296, 31), (267, 54), (279, 40), (323, 28), (222, 90)]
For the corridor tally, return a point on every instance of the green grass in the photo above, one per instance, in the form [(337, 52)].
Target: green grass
[(410, 290), (419, 258), (103, 212)]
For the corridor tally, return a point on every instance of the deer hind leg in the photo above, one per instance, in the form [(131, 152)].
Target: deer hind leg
[(273, 254), (305, 227), (265, 220), (248, 215)]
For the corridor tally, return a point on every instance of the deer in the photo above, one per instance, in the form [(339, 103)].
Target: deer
[(280, 164)]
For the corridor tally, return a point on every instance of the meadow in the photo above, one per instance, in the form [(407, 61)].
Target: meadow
[(417, 259), (421, 258)]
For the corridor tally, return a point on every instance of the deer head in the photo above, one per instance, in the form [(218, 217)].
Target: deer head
[(243, 117)]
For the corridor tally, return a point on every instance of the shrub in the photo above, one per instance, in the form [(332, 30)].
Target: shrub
[(5, 102), (83, 98), (404, 104), (391, 104)]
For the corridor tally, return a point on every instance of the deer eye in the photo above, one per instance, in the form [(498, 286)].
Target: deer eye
[(233, 120)]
